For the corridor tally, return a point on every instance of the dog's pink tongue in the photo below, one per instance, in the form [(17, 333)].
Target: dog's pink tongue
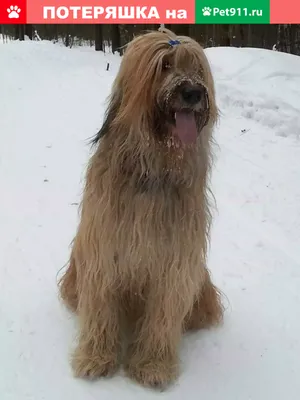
[(186, 128)]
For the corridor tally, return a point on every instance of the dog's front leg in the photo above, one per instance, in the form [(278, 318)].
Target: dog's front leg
[(99, 340), (152, 357)]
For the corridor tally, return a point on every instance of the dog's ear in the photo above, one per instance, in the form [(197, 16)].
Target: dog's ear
[(110, 115)]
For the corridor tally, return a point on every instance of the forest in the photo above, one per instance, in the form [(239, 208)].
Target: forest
[(285, 38)]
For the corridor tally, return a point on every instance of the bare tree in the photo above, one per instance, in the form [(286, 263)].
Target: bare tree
[(98, 37), (19, 32), (29, 31), (115, 38)]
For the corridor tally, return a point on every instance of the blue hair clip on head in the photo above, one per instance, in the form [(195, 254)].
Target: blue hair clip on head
[(174, 42)]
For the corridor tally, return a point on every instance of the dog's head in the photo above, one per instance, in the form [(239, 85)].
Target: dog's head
[(164, 87)]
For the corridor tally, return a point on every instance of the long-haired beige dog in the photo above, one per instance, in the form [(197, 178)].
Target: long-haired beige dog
[(139, 255)]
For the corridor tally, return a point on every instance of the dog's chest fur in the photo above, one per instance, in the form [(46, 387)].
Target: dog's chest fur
[(158, 222)]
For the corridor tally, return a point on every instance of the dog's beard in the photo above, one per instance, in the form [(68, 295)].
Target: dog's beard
[(179, 123), (181, 127)]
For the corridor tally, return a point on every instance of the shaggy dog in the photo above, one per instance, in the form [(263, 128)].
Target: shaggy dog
[(138, 260)]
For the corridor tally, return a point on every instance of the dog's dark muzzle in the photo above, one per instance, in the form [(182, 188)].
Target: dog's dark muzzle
[(191, 94)]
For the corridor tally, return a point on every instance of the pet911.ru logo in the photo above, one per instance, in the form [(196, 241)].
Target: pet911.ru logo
[(231, 12)]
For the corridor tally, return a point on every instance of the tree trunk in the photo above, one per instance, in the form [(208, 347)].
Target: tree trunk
[(293, 38), (19, 32), (98, 37), (239, 34), (115, 38), (225, 39), (181, 29), (281, 38), (249, 41), (55, 27), (29, 31)]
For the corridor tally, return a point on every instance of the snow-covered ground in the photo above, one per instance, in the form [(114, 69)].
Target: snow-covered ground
[(51, 102)]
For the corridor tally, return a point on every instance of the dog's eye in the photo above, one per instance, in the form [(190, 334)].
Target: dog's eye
[(166, 66)]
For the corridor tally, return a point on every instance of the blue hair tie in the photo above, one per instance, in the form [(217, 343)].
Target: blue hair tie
[(174, 42)]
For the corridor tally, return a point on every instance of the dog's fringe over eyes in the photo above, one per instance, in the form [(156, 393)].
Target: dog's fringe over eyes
[(138, 263)]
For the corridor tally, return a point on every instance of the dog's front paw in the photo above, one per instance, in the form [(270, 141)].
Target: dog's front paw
[(155, 374), (92, 367)]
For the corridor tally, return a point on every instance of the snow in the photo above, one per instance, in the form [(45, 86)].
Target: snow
[(51, 103)]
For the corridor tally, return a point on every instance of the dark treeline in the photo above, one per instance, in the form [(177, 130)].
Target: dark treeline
[(286, 38)]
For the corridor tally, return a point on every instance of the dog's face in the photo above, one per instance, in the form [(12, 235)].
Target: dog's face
[(164, 89), (182, 97)]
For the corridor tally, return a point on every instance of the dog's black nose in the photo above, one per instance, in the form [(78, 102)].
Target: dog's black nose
[(191, 94)]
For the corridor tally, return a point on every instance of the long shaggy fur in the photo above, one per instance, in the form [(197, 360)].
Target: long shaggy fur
[(138, 260)]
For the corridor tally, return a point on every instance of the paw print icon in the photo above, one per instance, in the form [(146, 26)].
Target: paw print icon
[(13, 12), (206, 11)]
